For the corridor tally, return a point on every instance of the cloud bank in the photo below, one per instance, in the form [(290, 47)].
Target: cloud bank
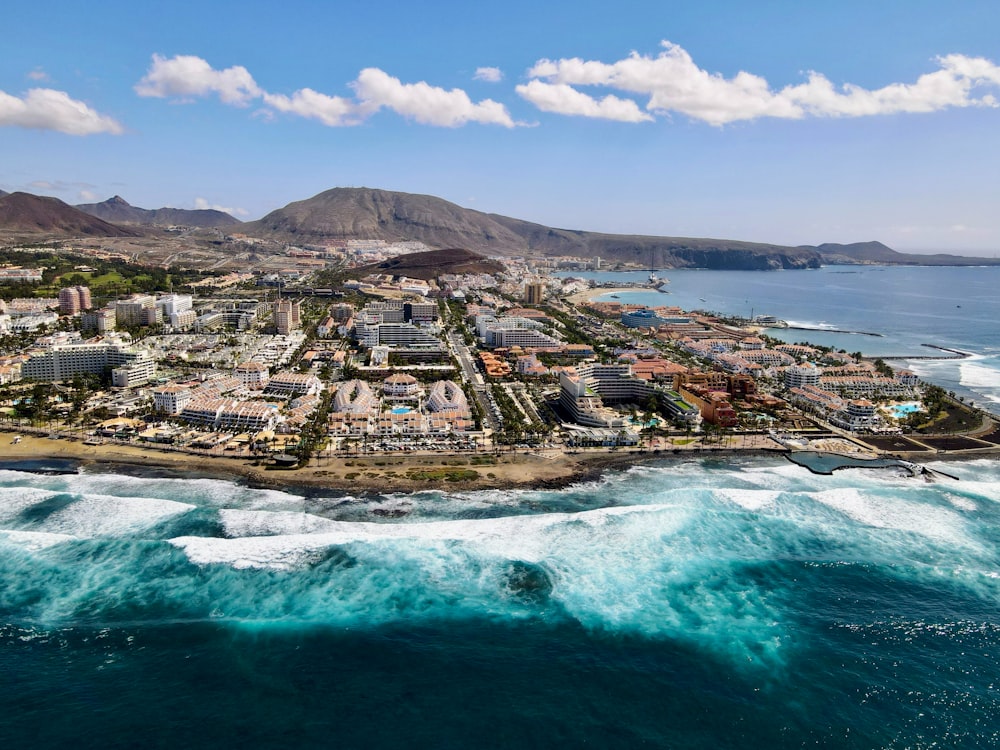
[(187, 76), (203, 204), (48, 109), (672, 83)]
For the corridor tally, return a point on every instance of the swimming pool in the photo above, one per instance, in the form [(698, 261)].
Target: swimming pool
[(902, 411)]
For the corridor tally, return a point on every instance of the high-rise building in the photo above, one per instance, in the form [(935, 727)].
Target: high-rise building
[(534, 293), (131, 311), (287, 316), (74, 299), (101, 321)]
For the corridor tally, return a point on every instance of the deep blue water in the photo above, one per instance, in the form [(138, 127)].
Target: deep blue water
[(696, 604), (958, 308)]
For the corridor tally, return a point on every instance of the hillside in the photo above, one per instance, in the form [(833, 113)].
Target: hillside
[(119, 211), (876, 253), (23, 212), (431, 264), (364, 213), (660, 252)]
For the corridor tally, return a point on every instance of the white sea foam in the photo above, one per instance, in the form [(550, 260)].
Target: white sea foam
[(976, 376), (14, 500), (35, 540), (202, 491), (245, 523), (936, 523), (749, 499), (515, 537), (103, 515), (960, 502)]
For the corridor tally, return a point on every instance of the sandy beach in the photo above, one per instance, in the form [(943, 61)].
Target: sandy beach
[(600, 291)]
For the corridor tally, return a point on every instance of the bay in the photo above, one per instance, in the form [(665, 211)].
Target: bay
[(907, 306)]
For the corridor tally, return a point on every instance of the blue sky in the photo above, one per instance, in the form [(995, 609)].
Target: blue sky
[(793, 123)]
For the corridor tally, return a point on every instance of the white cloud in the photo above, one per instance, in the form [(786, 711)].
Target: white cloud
[(566, 100), (428, 105), (674, 83), (329, 110), (48, 109), (202, 204), (88, 195), (187, 75), (38, 75), (490, 75)]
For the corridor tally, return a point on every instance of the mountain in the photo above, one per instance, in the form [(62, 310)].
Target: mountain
[(25, 212), (2, 193), (119, 211), (877, 253), (364, 213)]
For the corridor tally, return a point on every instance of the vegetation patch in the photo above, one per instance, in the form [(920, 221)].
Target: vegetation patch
[(442, 475)]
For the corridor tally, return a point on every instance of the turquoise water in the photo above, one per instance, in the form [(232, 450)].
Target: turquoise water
[(907, 306), (900, 411), (698, 604), (401, 410)]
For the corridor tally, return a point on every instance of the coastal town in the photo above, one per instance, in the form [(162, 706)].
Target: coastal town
[(334, 366)]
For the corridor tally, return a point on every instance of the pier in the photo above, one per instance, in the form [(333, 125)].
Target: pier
[(952, 354), (833, 330)]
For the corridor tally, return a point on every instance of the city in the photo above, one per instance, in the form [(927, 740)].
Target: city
[(274, 369)]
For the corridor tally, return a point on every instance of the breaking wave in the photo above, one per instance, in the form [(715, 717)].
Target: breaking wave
[(709, 553)]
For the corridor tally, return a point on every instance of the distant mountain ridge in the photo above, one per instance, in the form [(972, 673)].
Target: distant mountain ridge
[(33, 213), (876, 252), (341, 214), (118, 211), (366, 213)]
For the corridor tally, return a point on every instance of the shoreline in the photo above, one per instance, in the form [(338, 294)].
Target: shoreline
[(410, 473), (599, 291), (376, 474)]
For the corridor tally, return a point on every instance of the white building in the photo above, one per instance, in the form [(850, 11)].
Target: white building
[(401, 386), (128, 366), (252, 374), (798, 376)]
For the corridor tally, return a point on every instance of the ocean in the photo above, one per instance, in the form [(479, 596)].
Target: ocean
[(693, 603)]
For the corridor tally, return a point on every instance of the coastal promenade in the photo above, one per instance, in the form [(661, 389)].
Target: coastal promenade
[(523, 469)]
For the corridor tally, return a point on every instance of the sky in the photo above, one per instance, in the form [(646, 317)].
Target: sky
[(785, 122)]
